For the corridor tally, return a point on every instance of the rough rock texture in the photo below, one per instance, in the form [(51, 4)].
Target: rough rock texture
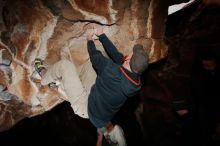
[(187, 30), (52, 30), (192, 28)]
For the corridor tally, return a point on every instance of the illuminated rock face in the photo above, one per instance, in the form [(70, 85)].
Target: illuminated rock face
[(52, 30)]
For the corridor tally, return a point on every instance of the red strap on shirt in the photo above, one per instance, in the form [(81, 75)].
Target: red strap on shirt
[(129, 78)]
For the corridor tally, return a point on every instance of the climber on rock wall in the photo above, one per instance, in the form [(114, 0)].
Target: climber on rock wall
[(118, 78)]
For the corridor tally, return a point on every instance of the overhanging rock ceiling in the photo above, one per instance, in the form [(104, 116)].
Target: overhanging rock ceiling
[(52, 30)]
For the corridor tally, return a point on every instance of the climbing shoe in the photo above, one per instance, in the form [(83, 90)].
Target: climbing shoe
[(116, 137), (38, 65), (52, 85)]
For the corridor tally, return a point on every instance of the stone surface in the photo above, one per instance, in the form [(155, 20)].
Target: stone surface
[(52, 30), (211, 2), (187, 30)]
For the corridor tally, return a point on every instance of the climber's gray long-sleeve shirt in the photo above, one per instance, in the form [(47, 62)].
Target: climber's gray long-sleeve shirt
[(114, 84)]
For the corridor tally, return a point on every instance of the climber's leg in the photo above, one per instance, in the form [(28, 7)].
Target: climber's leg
[(65, 71), (87, 75)]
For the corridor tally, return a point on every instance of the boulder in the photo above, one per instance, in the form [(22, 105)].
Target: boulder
[(51, 30)]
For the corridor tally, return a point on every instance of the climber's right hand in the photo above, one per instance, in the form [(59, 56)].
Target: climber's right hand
[(89, 34), (98, 30)]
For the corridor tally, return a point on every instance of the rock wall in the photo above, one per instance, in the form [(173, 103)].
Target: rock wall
[(52, 30), (188, 30)]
